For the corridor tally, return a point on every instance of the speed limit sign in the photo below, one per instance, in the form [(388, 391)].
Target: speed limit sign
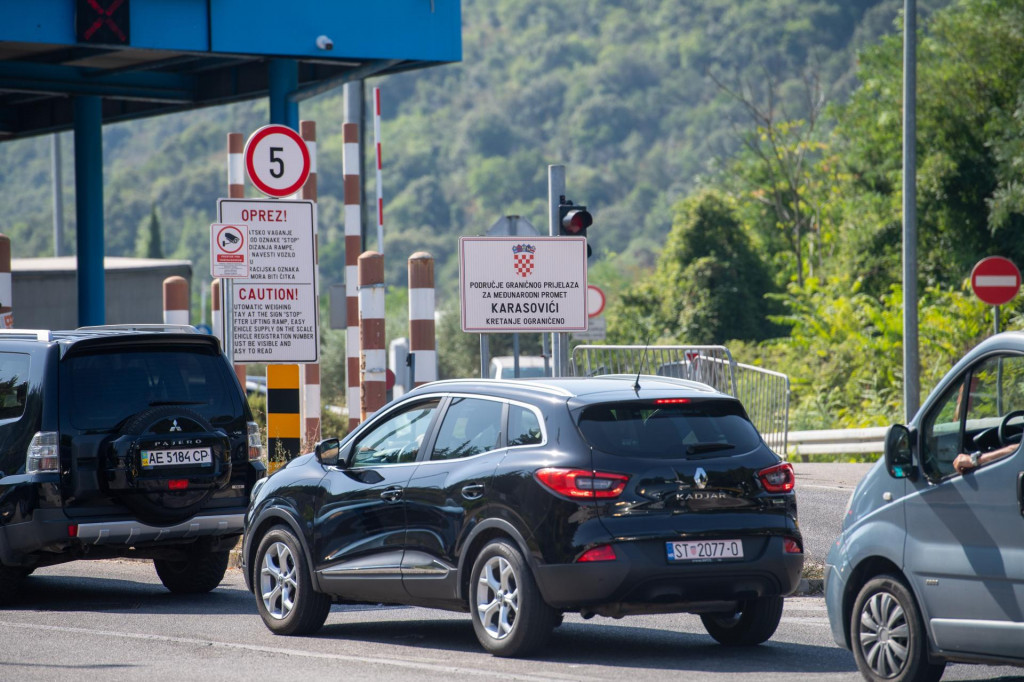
[(277, 160)]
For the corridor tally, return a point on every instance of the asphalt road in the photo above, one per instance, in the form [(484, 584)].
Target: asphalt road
[(112, 620)]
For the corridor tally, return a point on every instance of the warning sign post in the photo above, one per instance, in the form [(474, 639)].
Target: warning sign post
[(273, 312)]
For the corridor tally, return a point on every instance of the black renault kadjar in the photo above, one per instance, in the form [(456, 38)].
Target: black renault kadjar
[(520, 500)]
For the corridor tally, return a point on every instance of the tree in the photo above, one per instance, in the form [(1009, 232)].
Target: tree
[(148, 244), (708, 287)]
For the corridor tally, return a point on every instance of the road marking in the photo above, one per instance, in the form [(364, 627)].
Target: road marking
[(800, 486), (400, 663)]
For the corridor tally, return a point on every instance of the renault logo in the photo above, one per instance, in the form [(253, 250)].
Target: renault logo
[(700, 477)]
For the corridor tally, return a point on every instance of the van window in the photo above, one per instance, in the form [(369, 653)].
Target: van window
[(967, 416), (13, 384), (706, 428)]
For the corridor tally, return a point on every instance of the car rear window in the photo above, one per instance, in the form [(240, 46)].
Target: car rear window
[(690, 430), (108, 387)]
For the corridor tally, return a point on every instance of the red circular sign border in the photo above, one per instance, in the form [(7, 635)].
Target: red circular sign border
[(234, 227), (604, 300), (250, 149), (1002, 261)]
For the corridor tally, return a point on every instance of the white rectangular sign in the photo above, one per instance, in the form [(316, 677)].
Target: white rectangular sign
[(229, 250), (523, 284), (273, 312)]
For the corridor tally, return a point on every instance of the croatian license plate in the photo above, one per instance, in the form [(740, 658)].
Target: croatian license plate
[(176, 457), (698, 550)]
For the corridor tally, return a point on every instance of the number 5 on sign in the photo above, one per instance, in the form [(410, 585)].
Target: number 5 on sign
[(277, 160)]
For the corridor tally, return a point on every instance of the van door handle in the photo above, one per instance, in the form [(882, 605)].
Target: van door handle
[(473, 492), (1020, 492), (392, 494)]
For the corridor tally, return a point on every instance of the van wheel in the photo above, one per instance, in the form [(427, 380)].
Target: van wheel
[(198, 573), (510, 617), (754, 623), (888, 636)]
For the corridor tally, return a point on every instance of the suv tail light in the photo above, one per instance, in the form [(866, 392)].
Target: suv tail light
[(777, 479), (43, 454), (255, 444), (579, 483)]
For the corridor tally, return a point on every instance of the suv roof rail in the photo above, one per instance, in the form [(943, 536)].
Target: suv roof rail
[(36, 334), (142, 327)]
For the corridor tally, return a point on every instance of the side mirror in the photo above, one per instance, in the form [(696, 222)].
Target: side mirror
[(899, 456), (328, 452)]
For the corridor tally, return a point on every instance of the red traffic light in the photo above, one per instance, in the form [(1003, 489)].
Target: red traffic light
[(576, 221)]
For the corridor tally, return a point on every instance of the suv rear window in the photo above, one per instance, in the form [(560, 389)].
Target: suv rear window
[(714, 428), (108, 387)]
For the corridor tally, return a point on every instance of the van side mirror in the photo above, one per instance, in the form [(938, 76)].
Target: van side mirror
[(328, 452), (899, 456)]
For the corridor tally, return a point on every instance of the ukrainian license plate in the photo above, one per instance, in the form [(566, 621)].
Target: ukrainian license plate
[(698, 550), (176, 457)]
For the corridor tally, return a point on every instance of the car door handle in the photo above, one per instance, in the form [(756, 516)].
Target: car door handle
[(392, 494), (473, 492)]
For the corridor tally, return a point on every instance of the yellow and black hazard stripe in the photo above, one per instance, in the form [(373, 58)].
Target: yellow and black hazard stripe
[(284, 426)]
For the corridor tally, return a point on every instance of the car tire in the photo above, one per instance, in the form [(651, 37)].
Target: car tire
[(198, 573), (887, 634), (11, 578), (285, 597), (510, 617), (753, 624)]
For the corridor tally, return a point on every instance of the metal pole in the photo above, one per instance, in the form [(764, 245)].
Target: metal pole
[(58, 196), (89, 209), (515, 355), (556, 190), (911, 360), (485, 352)]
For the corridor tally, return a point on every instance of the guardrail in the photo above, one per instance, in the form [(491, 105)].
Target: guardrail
[(869, 441)]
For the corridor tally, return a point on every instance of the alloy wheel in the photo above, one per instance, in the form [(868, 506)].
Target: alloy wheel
[(497, 597), (278, 582)]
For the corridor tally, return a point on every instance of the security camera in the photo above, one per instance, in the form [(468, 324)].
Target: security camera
[(324, 43)]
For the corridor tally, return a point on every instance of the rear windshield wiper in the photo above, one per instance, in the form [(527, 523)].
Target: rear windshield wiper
[(698, 448)]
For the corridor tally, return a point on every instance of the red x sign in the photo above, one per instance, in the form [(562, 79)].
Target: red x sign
[(102, 21)]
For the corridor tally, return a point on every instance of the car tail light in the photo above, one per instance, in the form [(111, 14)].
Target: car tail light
[(777, 479), (791, 546), (43, 453), (255, 444), (599, 553), (580, 483), (671, 401), (177, 484), (72, 530)]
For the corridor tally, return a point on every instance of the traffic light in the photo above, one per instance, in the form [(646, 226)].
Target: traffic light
[(573, 220)]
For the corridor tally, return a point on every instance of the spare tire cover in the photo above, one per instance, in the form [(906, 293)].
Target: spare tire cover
[(166, 462)]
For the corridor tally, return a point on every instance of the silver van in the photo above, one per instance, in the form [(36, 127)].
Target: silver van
[(929, 566)]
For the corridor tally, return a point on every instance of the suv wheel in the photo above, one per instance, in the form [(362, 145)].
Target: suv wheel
[(887, 634), (285, 597), (754, 623), (510, 617), (11, 578), (198, 573)]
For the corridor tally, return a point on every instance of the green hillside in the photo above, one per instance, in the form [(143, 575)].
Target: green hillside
[(620, 91)]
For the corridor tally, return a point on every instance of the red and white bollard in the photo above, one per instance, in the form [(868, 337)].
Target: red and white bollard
[(236, 190), (422, 338), (353, 247), (372, 354), (176, 298), (311, 371), (6, 286)]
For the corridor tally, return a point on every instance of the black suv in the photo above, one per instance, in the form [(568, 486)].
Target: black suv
[(520, 500), (122, 442)]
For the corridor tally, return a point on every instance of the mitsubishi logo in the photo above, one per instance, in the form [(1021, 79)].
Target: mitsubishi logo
[(700, 477), (175, 427)]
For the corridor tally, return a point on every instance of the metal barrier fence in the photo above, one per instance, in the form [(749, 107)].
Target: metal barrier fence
[(764, 393)]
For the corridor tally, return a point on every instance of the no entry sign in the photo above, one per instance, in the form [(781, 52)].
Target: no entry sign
[(995, 280)]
